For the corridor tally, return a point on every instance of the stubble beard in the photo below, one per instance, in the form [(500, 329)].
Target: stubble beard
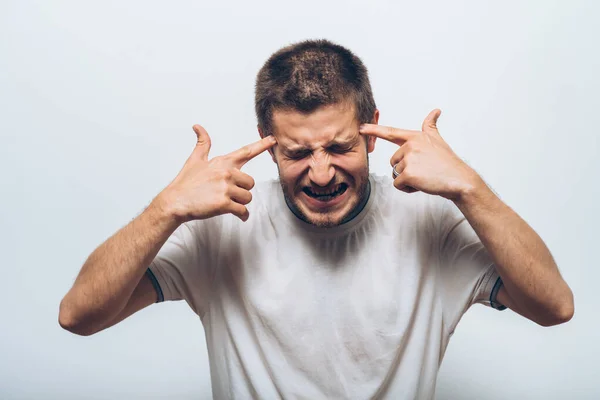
[(326, 220)]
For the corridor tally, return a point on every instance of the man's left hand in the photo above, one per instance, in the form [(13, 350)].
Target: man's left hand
[(424, 162)]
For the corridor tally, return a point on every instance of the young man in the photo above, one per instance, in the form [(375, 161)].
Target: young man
[(330, 282)]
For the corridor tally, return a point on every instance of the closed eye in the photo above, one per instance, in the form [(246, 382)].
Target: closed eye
[(297, 155), (340, 149)]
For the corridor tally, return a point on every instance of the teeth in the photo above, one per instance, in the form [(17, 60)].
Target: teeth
[(326, 192), (326, 195)]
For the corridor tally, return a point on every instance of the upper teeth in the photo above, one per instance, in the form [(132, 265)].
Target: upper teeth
[(323, 192)]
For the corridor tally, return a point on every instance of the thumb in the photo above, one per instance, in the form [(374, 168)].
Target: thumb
[(203, 143), (430, 123)]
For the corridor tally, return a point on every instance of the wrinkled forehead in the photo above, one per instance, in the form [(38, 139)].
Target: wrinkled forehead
[(328, 124)]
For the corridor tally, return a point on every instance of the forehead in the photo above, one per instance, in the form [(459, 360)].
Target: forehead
[(336, 122)]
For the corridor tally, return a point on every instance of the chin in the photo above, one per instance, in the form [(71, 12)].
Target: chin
[(323, 220), (330, 209), (324, 217)]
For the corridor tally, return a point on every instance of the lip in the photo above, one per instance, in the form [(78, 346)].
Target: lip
[(323, 205)]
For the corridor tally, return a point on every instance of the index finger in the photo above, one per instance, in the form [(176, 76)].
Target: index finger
[(394, 135), (248, 152)]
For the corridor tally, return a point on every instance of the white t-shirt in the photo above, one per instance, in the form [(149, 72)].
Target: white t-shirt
[(362, 310)]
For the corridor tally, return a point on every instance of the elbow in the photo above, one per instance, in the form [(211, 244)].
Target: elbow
[(563, 312), (72, 322)]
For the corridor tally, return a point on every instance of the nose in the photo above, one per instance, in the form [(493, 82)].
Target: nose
[(321, 171)]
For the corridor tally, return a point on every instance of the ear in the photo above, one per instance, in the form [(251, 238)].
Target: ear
[(262, 135), (371, 139)]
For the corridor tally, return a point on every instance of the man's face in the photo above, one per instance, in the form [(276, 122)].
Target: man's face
[(322, 162)]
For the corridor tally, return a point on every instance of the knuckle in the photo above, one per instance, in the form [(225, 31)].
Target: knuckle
[(223, 204), (245, 198), (223, 187), (238, 209), (217, 203), (223, 175), (227, 174)]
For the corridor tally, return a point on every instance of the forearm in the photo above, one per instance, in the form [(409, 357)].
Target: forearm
[(110, 274), (528, 270)]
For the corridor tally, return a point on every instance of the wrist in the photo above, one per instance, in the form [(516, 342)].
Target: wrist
[(473, 191), (165, 209)]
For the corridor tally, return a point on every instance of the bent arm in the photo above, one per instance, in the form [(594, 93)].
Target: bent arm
[(101, 294), (143, 295), (533, 285)]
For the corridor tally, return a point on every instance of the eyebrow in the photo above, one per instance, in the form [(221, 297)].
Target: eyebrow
[(333, 143)]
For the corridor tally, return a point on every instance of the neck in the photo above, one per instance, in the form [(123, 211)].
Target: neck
[(349, 217)]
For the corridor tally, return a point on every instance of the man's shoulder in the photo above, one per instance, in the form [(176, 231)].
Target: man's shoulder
[(386, 191), (407, 206), (266, 185), (265, 192)]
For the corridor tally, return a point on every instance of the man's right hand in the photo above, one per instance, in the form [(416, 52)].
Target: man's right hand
[(204, 189)]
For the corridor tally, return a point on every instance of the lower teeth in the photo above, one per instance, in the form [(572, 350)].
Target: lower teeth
[(326, 197)]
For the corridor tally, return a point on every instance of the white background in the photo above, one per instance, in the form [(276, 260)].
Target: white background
[(97, 100)]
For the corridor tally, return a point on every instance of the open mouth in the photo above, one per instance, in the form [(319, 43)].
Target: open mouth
[(326, 194)]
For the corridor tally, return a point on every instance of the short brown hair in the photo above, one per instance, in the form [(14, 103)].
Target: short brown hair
[(310, 74)]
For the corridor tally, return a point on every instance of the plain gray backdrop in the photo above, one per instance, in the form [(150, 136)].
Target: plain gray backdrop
[(97, 101)]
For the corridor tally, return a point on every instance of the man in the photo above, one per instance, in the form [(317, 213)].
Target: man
[(331, 282)]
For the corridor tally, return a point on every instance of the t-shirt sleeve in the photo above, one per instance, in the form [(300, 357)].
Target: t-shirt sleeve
[(467, 271), (181, 269)]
